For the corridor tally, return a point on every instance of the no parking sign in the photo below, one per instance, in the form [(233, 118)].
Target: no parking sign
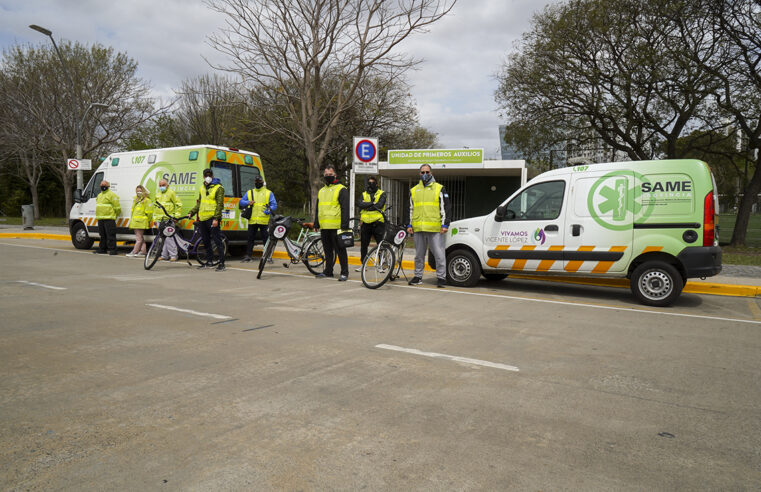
[(78, 164), (365, 155)]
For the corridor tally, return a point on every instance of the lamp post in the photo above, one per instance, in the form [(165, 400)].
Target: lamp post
[(49, 33)]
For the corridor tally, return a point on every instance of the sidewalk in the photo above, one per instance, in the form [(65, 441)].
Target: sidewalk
[(734, 280)]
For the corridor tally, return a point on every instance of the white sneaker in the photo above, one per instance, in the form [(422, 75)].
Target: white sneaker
[(139, 255), (358, 269), (130, 255)]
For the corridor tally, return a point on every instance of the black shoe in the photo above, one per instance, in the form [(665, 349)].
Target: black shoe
[(343, 278), (220, 268), (113, 253), (246, 259), (415, 281), (323, 275), (99, 252), (441, 283)]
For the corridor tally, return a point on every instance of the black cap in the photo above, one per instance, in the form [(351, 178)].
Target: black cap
[(208, 172), (259, 178)]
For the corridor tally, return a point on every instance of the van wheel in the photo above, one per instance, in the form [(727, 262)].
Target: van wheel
[(463, 269), (80, 238), (494, 276), (656, 283)]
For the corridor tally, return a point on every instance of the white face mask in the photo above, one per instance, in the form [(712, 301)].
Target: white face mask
[(207, 179), (139, 193)]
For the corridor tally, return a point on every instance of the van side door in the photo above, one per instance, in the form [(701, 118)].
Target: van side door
[(525, 233), (600, 221)]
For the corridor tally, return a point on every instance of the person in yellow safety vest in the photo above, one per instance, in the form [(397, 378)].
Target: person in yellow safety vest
[(430, 215), (107, 209), (211, 202), (370, 208), (171, 202), (140, 219), (332, 214), (257, 198)]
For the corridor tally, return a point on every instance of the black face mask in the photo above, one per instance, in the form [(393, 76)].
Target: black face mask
[(258, 184), (330, 180), (372, 187), (103, 188)]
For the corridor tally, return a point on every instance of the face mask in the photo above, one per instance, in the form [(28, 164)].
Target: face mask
[(258, 185), (426, 178), (162, 189), (103, 188), (372, 186), (139, 194), (330, 179), (207, 179)]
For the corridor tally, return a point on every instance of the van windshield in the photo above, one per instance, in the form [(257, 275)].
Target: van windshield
[(542, 201)]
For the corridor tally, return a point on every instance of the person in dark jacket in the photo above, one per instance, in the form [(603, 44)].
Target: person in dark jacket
[(331, 215), (370, 208), (209, 206)]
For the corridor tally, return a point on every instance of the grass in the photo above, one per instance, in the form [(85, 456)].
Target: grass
[(727, 225), (42, 221)]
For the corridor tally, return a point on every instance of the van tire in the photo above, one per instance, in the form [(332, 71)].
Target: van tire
[(656, 283), (463, 268), (79, 237), (495, 277)]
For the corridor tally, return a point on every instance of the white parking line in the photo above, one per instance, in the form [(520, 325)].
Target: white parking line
[(486, 363), (40, 285), (190, 311)]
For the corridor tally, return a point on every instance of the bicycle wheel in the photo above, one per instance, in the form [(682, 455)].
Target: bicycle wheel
[(314, 257), (266, 255), (378, 266), (154, 252), (201, 256)]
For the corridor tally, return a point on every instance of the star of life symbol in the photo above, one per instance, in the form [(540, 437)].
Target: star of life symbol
[(615, 200)]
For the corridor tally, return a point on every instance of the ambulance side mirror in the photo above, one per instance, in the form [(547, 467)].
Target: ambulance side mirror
[(77, 196), (499, 216)]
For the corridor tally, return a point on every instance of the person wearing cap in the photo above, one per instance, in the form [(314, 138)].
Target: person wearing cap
[(370, 208), (107, 209), (209, 206), (430, 214), (171, 202), (257, 198), (331, 215)]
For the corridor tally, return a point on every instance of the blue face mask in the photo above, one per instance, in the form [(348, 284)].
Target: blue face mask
[(426, 178), (162, 189)]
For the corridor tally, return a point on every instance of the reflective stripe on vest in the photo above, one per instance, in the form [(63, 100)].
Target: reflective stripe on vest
[(370, 216), (139, 218), (166, 199), (208, 202), (328, 208), (104, 209), (426, 210), (260, 198)]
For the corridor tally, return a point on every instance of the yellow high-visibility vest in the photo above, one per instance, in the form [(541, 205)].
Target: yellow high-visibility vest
[(142, 210), (370, 216), (328, 208), (259, 198), (426, 210), (107, 205), (208, 202), (169, 201)]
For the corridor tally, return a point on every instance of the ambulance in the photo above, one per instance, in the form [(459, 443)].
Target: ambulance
[(652, 222), (182, 167)]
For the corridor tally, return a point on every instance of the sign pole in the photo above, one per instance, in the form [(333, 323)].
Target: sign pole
[(351, 192)]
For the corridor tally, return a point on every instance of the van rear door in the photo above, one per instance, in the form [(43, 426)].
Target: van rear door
[(599, 221)]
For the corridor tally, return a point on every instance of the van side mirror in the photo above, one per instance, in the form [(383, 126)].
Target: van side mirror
[(499, 216), (77, 196)]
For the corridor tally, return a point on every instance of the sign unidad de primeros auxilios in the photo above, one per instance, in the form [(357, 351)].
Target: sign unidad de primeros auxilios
[(365, 155), (436, 156)]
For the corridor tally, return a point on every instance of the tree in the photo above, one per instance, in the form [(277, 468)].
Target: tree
[(210, 108), (294, 48), (99, 75)]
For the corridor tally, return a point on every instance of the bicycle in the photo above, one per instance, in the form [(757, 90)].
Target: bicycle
[(193, 248), (307, 249), (384, 261)]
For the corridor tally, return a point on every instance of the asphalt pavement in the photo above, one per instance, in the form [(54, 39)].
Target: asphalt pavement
[(115, 377)]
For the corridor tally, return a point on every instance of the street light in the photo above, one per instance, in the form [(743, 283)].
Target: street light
[(49, 33)]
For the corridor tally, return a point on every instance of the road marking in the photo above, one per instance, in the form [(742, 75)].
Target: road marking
[(258, 328), (754, 309), (190, 311), (467, 360), (40, 285)]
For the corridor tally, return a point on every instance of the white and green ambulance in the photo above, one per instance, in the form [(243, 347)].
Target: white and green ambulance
[(182, 167), (653, 222)]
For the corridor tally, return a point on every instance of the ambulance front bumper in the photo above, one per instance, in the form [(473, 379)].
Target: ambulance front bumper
[(701, 261)]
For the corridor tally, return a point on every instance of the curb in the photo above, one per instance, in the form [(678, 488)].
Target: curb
[(621, 283)]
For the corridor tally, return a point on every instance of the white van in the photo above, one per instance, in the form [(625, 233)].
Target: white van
[(182, 167), (653, 222)]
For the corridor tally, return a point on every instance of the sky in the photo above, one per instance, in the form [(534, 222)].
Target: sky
[(453, 87)]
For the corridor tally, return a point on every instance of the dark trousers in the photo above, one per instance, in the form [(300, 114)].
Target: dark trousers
[(209, 233), (366, 231), (107, 231), (254, 231), (331, 246)]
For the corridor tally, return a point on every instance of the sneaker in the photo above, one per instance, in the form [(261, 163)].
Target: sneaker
[(130, 255), (246, 259), (220, 268), (415, 281), (139, 255), (173, 258), (358, 269), (343, 278), (113, 253), (441, 283), (322, 275), (270, 260)]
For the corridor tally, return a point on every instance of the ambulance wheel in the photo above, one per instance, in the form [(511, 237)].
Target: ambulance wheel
[(494, 276), (463, 269), (80, 238), (656, 283)]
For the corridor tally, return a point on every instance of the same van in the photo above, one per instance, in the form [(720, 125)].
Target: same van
[(183, 168), (652, 222)]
